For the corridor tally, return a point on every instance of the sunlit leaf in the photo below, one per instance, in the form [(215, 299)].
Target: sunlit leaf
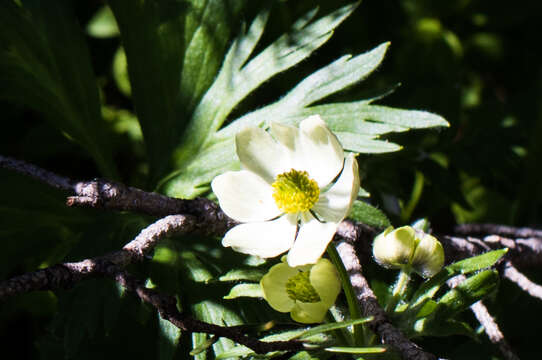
[(367, 214), (245, 290)]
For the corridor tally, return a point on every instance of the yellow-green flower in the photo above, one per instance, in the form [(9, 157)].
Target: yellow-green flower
[(285, 196), (406, 246), (306, 292)]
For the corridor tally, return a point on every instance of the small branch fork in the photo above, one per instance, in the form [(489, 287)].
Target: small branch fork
[(204, 216)]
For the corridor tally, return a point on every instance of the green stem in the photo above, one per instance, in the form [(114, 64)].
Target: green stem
[(399, 289), (353, 307)]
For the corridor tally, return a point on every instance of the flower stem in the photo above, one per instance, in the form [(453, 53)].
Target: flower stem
[(399, 289), (353, 306)]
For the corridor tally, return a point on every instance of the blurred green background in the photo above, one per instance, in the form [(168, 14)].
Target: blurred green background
[(476, 63)]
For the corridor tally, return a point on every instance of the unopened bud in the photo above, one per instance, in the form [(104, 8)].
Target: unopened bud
[(405, 247), (394, 248), (428, 257)]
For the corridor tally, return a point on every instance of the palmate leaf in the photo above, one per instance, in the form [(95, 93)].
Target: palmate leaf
[(45, 65), (209, 150), (238, 78)]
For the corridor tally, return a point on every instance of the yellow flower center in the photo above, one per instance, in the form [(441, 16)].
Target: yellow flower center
[(299, 288), (294, 191)]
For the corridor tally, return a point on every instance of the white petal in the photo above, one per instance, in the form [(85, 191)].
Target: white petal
[(335, 204), (286, 135), (261, 154), (322, 155), (244, 196), (311, 241), (263, 239)]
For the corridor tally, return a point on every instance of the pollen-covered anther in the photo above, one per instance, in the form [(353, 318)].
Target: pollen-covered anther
[(294, 191)]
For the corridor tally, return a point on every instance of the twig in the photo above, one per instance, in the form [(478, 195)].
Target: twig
[(486, 320), (68, 274), (370, 307), (512, 274), (103, 194), (99, 193), (166, 306), (51, 179), (494, 229), (523, 252)]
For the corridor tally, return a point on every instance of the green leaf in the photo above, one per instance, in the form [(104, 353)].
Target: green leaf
[(120, 72), (428, 307), (249, 274), (466, 266), (195, 177), (170, 336), (45, 65), (332, 78), (358, 125), (173, 50), (446, 328), (356, 350), (240, 351), (236, 79), (479, 262), (466, 293), (368, 214), (365, 144), (103, 24), (329, 327), (204, 346), (245, 290)]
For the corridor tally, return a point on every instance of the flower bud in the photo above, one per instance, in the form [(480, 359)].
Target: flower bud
[(394, 248), (408, 248), (428, 258)]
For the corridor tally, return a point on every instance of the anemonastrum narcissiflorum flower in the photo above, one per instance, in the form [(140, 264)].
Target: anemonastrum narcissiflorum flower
[(407, 247), (285, 196), (306, 292)]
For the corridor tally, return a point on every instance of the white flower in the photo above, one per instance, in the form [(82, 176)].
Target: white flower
[(285, 197)]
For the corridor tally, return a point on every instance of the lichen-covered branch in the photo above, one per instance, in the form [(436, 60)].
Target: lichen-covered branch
[(486, 320), (68, 274), (370, 307), (166, 306), (204, 216), (511, 273)]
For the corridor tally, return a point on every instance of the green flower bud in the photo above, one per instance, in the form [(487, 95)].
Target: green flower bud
[(394, 248), (428, 258), (408, 248)]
